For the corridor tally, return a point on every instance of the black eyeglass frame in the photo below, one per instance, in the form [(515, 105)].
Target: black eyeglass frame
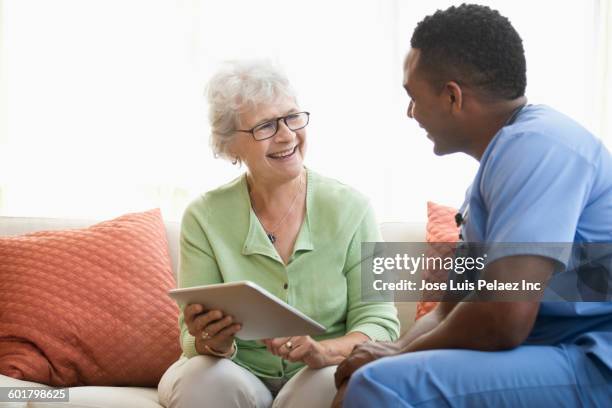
[(275, 121)]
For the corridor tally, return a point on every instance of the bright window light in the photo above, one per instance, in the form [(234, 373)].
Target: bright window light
[(102, 109)]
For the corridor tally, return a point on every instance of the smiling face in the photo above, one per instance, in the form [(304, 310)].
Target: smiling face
[(432, 108), (279, 158)]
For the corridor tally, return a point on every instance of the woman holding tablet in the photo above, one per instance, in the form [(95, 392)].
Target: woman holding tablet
[(290, 230)]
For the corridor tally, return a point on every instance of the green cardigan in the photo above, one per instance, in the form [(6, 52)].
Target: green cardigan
[(223, 241)]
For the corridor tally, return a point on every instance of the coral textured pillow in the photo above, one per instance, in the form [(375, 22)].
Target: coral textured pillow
[(89, 306), (441, 227)]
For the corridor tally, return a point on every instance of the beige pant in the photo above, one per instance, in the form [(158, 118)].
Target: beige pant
[(205, 381)]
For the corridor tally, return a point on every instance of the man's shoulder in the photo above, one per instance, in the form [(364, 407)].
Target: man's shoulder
[(538, 133), (540, 126)]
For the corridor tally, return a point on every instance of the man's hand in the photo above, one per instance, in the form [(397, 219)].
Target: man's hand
[(363, 354), (339, 398)]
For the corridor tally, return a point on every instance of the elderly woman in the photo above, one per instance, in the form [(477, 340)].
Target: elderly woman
[(288, 229)]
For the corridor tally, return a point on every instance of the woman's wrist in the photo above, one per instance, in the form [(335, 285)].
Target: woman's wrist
[(332, 354), (230, 353), (205, 349), (336, 350)]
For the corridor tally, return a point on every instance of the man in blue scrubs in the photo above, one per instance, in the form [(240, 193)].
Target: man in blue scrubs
[(543, 178)]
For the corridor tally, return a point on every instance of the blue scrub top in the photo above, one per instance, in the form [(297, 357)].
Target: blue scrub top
[(546, 179)]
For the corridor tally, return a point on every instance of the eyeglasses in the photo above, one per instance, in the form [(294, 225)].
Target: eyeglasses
[(294, 121)]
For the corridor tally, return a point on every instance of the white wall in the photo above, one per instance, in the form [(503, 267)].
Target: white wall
[(102, 110)]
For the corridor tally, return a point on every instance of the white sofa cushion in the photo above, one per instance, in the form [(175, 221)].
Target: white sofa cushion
[(89, 397)]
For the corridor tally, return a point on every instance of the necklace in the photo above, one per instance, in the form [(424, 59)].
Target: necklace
[(271, 232)]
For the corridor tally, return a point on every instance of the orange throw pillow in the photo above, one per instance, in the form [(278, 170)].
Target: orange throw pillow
[(441, 227), (89, 306)]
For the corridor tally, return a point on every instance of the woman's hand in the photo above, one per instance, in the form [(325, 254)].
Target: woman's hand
[(300, 348), (210, 328)]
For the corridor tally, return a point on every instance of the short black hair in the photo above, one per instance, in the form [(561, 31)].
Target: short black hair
[(474, 45)]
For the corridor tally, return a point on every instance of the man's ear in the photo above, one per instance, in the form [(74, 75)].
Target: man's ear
[(454, 95)]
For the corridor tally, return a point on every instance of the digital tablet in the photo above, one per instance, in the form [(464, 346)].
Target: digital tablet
[(261, 314)]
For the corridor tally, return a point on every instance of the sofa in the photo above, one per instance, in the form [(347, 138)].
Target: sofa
[(138, 397)]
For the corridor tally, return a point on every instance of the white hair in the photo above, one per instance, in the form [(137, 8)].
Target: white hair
[(237, 86)]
